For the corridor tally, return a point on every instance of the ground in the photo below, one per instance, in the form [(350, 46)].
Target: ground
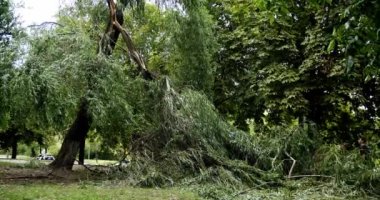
[(34, 180), (90, 191)]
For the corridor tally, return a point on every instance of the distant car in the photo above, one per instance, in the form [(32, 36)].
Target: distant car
[(45, 157), (122, 163)]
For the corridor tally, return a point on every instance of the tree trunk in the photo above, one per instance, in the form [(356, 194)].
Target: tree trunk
[(14, 148), (81, 152), (71, 143)]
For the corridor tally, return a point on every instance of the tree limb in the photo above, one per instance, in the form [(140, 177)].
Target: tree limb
[(301, 176), (45, 23), (134, 54), (294, 163), (312, 175)]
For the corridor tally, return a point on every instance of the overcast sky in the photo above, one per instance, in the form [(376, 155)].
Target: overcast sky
[(36, 11)]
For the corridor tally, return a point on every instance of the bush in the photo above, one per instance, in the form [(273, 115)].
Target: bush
[(275, 144), (348, 166)]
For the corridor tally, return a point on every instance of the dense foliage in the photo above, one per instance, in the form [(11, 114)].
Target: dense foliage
[(6, 59), (299, 59), (246, 92)]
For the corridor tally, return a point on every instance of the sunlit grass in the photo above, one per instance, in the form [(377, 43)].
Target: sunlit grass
[(19, 157), (8, 164), (89, 191)]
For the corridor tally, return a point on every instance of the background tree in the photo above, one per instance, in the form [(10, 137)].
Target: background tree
[(8, 55), (19, 95), (281, 62)]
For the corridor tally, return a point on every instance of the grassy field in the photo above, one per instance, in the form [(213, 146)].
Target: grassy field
[(89, 191)]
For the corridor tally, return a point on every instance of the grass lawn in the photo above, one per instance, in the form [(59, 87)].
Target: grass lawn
[(19, 181), (88, 191), (32, 181)]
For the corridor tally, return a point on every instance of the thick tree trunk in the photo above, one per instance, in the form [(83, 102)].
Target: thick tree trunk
[(76, 134), (9, 139), (14, 148), (81, 152)]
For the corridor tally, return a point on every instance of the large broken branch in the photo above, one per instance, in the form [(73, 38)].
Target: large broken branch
[(108, 41), (301, 176), (133, 53)]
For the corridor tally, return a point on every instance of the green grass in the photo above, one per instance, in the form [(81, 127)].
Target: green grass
[(89, 191), (8, 164), (32, 164)]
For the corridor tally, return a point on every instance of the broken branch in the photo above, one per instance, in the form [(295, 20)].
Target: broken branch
[(294, 163)]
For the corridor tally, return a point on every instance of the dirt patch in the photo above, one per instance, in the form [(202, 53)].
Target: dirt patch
[(43, 174)]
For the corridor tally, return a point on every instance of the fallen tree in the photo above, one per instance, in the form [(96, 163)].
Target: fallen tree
[(188, 140)]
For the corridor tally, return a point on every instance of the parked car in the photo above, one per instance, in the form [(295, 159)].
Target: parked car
[(45, 157)]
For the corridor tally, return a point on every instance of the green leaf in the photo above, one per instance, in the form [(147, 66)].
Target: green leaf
[(271, 19), (331, 46)]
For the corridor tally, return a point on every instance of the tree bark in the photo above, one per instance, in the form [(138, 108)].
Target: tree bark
[(76, 134), (109, 39), (14, 147), (133, 53), (81, 152)]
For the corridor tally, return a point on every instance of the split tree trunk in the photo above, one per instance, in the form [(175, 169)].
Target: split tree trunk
[(76, 136)]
